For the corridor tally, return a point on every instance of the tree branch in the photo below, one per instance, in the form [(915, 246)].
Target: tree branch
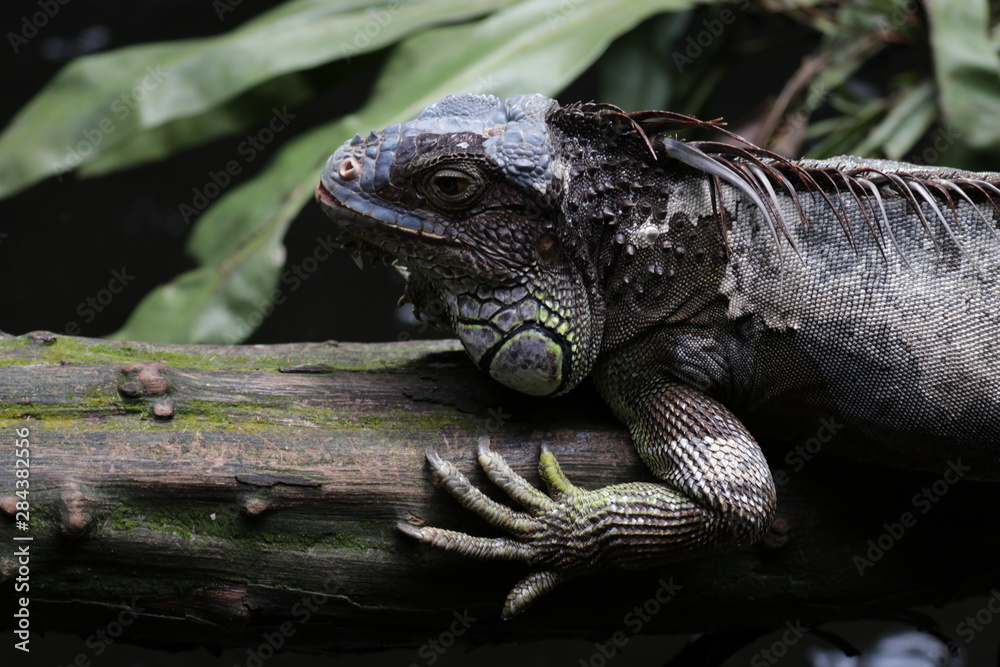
[(211, 495)]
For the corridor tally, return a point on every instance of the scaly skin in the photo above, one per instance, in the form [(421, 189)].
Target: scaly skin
[(694, 282)]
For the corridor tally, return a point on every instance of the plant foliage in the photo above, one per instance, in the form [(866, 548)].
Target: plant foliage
[(123, 108)]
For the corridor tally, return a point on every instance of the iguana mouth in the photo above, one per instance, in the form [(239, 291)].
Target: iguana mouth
[(360, 248), (330, 204)]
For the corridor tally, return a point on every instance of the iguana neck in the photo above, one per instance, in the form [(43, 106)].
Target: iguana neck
[(655, 258)]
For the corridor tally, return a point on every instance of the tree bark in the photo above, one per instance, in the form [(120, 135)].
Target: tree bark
[(212, 496)]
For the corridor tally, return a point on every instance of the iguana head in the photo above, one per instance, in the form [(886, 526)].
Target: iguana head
[(466, 199)]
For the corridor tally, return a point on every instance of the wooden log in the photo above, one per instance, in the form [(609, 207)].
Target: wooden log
[(212, 496)]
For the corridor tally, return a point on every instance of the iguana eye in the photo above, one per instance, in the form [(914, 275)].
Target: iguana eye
[(452, 188)]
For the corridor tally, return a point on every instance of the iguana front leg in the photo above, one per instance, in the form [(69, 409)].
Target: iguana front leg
[(717, 491)]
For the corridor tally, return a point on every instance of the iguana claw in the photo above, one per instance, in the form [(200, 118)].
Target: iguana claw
[(539, 536)]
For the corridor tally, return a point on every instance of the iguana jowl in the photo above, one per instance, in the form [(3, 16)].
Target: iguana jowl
[(695, 281)]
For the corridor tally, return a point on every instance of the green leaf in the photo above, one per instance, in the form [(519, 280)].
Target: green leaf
[(898, 18), (238, 242), (637, 71), (914, 120), (842, 133), (238, 114), (967, 68), (536, 46), (904, 125), (224, 228), (217, 303), (97, 102)]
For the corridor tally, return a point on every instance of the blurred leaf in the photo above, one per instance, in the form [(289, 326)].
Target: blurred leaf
[(904, 125), (238, 243), (637, 71), (240, 113), (535, 46), (223, 229), (912, 118), (840, 135), (892, 19), (967, 68), (99, 101), (221, 303), (847, 58), (501, 54), (827, 77)]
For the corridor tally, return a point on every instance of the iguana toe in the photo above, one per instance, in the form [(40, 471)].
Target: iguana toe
[(547, 535), (529, 589)]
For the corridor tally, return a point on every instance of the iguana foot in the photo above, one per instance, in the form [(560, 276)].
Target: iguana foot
[(563, 534), (572, 531)]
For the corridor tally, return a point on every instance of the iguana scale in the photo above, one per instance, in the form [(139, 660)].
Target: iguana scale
[(715, 292)]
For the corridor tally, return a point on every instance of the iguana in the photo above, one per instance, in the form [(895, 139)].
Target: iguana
[(715, 292)]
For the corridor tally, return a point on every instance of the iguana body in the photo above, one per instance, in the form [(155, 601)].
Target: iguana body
[(711, 291)]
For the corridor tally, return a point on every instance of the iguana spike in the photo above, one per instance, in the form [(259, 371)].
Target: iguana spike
[(964, 195), (692, 157), (873, 189)]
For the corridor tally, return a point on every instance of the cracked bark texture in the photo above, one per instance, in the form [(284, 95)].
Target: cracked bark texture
[(213, 493)]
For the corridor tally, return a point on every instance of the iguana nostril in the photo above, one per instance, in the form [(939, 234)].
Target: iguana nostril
[(349, 169)]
